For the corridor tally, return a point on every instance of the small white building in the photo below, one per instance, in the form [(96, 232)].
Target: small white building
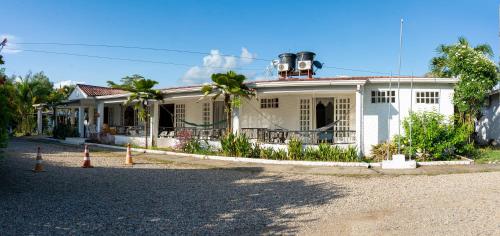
[(488, 126), (341, 111)]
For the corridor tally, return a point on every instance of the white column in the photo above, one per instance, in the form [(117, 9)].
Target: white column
[(100, 118), (359, 119), (153, 122), (39, 120), (91, 116), (72, 117), (236, 120), (81, 117)]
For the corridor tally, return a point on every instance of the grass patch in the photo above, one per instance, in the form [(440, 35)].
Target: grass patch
[(488, 155)]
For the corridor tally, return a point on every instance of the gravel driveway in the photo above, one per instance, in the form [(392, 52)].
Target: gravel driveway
[(161, 197)]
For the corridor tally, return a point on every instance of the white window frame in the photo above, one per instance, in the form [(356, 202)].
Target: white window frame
[(305, 114), (427, 97), (342, 115), (382, 96), (180, 115), (206, 113), (269, 103)]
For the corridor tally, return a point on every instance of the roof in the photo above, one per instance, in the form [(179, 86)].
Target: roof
[(93, 91), (373, 79)]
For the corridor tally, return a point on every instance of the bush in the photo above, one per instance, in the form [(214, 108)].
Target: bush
[(436, 138), (379, 151), (267, 153), (243, 146), (184, 136), (228, 145), (256, 150), (295, 149)]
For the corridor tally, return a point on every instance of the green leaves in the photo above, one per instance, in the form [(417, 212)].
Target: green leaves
[(232, 86), (477, 73)]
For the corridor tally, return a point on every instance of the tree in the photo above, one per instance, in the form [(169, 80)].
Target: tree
[(141, 94), (476, 72), (30, 90), (232, 87), (4, 108)]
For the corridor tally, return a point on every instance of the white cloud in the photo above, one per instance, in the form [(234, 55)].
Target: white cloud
[(11, 47), (216, 63), (63, 83)]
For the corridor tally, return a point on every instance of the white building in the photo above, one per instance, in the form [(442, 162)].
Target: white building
[(488, 126), (341, 111)]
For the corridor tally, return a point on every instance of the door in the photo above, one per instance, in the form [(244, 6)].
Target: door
[(219, 115)]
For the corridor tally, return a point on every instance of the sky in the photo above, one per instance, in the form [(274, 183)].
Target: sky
[(223, 35)]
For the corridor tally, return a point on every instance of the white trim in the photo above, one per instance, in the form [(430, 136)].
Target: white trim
[(415, 80)]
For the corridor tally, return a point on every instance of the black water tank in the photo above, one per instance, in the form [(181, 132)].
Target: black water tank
[(288, 58), (305, 56)]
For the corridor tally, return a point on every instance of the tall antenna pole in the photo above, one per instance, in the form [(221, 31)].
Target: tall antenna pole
[(399, 81)]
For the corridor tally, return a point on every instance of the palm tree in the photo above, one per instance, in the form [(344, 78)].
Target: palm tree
[(232, 87), (141, 93), (440, 64)]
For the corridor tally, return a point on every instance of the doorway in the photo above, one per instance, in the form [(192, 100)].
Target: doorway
[(166, 121)]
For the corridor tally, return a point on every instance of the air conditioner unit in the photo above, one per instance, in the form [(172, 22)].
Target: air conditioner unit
[(283, 67), (304, 65)]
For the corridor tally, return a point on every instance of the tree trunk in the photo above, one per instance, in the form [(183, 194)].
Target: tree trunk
[(229, 121)]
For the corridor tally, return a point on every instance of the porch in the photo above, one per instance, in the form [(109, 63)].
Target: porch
[(314, 116)]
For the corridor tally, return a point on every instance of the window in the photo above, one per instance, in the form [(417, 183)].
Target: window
[(180, 114), (428, 97), (206, 113), (342, 119), (305, 114), (384, 96), (269, 103)]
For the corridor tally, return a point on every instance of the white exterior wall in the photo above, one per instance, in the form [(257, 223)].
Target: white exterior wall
[(488, 127), (286, 115), (375, 114)]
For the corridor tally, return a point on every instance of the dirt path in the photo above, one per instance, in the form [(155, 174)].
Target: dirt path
[(174, 196)]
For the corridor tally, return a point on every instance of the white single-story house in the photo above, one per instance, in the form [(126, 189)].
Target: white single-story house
[(488, 126), (340, 110)]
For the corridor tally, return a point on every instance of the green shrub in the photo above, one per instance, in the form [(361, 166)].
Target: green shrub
[(255, 151), (228, 145), (280, 154), (351, 154), (243, 146), (436, 138), (295, 151), (267, 153), (311, 154)]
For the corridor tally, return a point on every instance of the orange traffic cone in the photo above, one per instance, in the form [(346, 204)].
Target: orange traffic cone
[(38, 165), (86, 158), (128, 158)]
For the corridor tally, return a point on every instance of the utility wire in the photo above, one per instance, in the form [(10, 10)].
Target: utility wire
[(142, 48), (184, 51), (130, 59)]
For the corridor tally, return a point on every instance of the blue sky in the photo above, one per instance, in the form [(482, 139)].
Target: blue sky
[(347, 34)]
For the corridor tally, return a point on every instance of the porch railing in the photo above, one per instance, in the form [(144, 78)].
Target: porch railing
[(199, 133), (307, 137)]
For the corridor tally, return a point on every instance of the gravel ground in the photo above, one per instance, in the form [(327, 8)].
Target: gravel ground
[(161, 197)]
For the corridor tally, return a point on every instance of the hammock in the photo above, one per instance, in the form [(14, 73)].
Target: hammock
[(202, 125)]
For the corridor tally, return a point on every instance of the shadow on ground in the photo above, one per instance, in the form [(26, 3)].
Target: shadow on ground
[(68, 200)]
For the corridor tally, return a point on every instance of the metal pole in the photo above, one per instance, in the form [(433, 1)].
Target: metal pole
[(389, 118), (399, 80), (411, 112)]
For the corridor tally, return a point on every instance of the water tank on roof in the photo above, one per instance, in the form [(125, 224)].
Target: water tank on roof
[(305, 56), (287, 62)]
